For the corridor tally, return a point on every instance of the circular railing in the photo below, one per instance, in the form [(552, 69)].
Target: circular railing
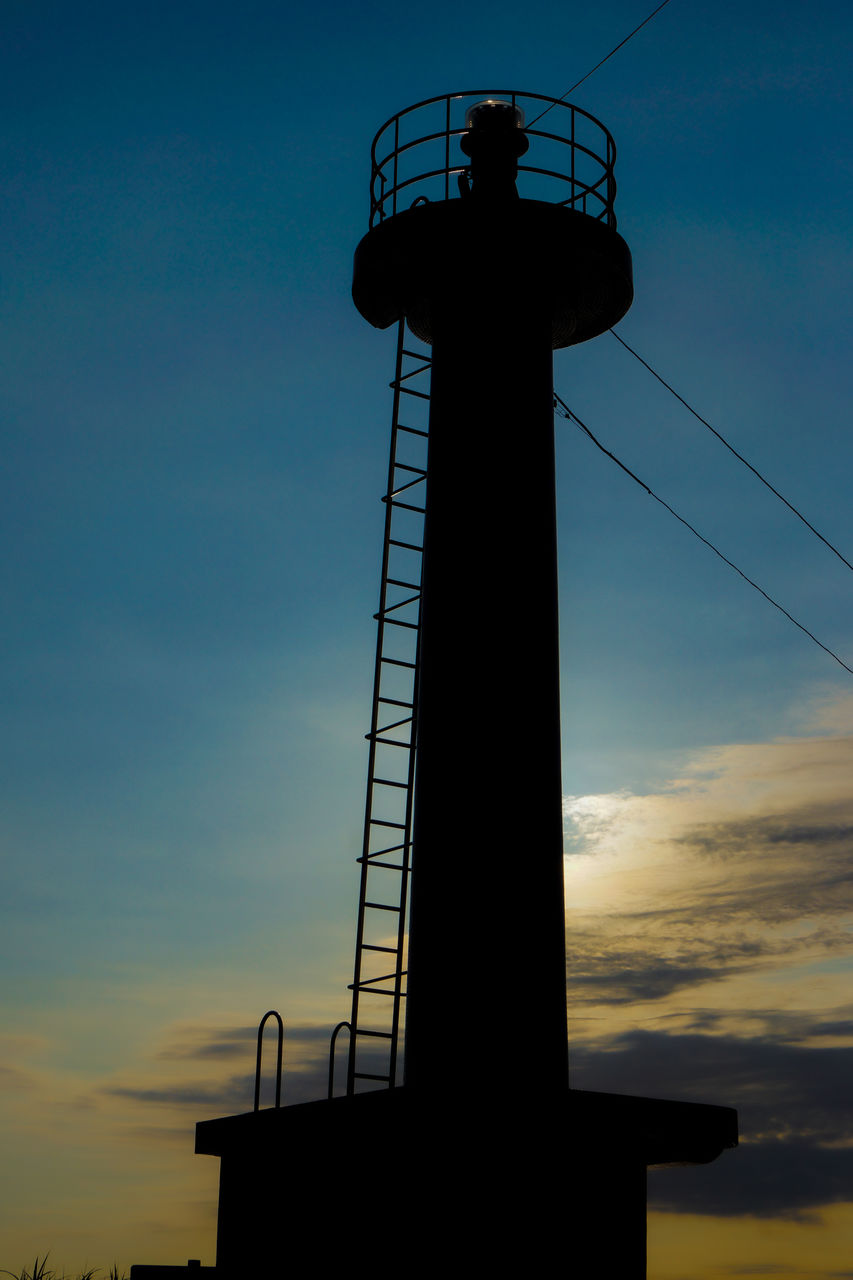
[(416, 155)]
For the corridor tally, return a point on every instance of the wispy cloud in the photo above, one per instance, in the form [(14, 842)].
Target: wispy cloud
[(710, 956), (193, 1071), (742, 865), (226, 1095), (795, 1109), (237, 1042)]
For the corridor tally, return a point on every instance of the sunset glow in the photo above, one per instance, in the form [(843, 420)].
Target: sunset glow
[(196, 425)]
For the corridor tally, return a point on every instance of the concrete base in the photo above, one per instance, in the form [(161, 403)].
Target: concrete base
[(377, 1178)]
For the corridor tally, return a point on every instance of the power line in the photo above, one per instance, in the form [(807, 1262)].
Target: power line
[(732, 449), (615, 49), (565, 412)]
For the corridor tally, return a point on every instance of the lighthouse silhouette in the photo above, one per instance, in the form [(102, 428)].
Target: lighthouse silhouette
[(491, 243)]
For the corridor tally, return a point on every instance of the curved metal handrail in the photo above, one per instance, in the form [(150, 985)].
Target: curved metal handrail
[(399, 151), (271, 1013), (338, 1028)]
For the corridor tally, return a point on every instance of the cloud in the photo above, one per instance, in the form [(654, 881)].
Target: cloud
[(766, 1269), (609, 967), (710, 957), (795, 1112), (13, 1078), (768, 851), (192, 1073), (739, 868), (201, 1043), (230, 1094), (794, 1179), (238, 1042)]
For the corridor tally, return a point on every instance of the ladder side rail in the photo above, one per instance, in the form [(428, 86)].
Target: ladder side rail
[(378, 787), (406, 861), (374, 721), (424, 365)]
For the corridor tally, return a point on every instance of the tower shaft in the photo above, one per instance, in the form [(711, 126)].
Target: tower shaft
[(487, 936)]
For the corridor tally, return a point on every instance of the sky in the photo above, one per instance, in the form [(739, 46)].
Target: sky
[(196, 427)]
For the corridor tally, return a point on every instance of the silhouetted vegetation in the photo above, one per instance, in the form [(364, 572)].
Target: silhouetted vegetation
[(40, 1272)]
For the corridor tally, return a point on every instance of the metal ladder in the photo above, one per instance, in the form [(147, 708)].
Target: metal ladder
[(381, 939)]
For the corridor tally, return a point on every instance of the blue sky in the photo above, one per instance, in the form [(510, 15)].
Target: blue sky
[(196, 422)]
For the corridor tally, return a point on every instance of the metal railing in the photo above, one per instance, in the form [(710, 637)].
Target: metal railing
[(271, 1013), (330, 1093), (416, 156)]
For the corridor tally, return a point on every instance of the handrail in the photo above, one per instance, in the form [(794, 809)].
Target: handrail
[(271, 1013), (414, 149), (338, 1028)]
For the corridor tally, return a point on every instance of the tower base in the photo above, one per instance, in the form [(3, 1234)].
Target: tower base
[(372, 1179)]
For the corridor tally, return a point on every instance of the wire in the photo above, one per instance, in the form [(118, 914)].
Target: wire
[(565, 412), (733, 450), (616, 49)]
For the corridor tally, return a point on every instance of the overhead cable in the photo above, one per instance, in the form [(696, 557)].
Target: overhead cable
[(615, 49), (563, 409), (732, 449)]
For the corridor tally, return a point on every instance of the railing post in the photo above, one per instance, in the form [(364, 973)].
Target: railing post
[(339, 1027), (271, 1013)]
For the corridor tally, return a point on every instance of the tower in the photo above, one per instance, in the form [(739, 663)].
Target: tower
[(493, 282), (527, 259), (496, 243)]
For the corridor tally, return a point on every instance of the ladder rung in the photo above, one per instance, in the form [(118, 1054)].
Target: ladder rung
[(366, 989), (386, 727), (410, 484), (382, 906), (366, 983), (369, 946), (398, 662), (396, 622), (406, 506), (366, 1075), (377, 1035), (395, 702), (401, 582), (421, 395), (389, 782), (410, 546), (392, 848), (388, 742), (413, 431), (399, 605), (389, 866), (376, 735), (413, 373), (380, 822)]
